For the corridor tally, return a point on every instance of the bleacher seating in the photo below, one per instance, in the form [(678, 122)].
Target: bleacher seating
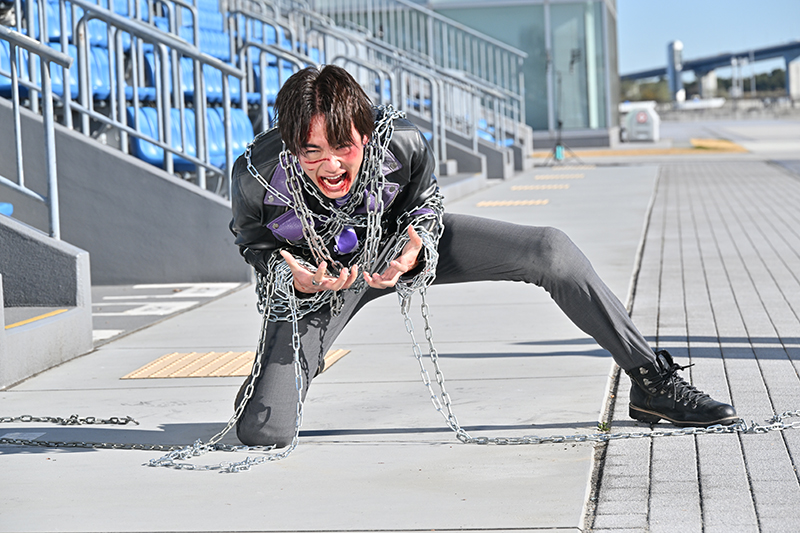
[(241, 135), (234, 38)]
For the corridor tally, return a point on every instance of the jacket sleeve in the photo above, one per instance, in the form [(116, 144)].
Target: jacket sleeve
[(256, 242), (420, 203)]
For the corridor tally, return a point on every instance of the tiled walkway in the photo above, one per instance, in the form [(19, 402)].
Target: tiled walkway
[(719, 287)]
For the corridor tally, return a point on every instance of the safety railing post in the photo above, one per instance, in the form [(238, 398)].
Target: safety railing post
[(50, 149), (44, 55)]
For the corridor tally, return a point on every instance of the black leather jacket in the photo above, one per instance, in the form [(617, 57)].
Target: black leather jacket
[(262, 225)]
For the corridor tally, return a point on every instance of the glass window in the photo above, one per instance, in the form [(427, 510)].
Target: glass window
[(521, 26), (578, 65)]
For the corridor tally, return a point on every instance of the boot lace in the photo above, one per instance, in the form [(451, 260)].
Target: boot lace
[(682, 391)]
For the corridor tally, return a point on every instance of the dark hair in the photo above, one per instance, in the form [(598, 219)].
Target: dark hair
[(331, 92)]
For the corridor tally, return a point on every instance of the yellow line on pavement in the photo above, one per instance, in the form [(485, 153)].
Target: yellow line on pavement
[(699, 146), (559, 177), (34, 319), (540, 187), (210, 364), (508, 203)]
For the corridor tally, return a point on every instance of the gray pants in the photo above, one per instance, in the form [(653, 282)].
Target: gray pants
[(471, 249)]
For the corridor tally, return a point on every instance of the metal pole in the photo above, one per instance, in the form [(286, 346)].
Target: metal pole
[(12, 48), (50, 149)]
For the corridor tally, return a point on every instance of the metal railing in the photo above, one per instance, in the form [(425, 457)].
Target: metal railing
[(169, 55), (433, 38), (450, 91), (127, 89), (46, 56)]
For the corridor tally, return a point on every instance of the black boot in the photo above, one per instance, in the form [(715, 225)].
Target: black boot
[(659, 392)]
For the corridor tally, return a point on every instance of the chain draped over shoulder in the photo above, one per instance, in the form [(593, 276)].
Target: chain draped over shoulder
[(321, 229)]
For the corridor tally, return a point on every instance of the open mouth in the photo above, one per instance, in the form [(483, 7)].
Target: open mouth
[(335, 184)]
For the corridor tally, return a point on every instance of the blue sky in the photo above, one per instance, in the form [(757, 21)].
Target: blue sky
[(706, 27)]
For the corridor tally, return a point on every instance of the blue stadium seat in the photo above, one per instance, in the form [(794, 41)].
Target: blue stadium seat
[(275, 79), (241, 134), (53, 25), (211, 20), (23, 72), (100, 72), (5, 65), (57, 73), (190, 128), (148, 125), (216, 138), (241, 130), (212, 78), (6, 209)]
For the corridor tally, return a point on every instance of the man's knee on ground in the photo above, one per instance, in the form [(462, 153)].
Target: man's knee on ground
[(263, 435)]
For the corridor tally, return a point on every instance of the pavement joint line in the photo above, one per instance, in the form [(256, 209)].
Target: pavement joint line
[(34, 319)]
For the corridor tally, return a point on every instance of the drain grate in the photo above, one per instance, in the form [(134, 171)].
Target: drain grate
[(209, 365)]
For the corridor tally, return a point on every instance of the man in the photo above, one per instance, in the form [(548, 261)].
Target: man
[(339, 205)]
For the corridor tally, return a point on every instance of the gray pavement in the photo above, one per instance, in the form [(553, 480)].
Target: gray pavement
[(719, 288), (717, 285)]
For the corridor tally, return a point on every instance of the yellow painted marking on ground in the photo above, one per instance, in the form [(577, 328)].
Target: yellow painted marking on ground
[(559, 177), (34, 319), (551, 187), (699, 146), (717, 145), (209, 364), (509, 203), (332, 356)]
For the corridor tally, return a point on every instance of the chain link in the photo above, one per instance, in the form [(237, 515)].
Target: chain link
[(277, 301), (317, 241), (199, 448), (443, 404), (73, 420)]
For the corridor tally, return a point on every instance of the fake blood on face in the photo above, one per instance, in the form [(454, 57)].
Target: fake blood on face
[(332, 169)]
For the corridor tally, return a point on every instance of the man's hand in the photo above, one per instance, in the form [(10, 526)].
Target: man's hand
[(312, 282), (406, 261)]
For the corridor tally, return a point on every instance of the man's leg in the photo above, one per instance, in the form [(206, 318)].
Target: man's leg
[(270, 415), (477, 249)]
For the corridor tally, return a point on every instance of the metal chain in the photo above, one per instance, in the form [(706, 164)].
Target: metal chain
[(199, 448), (443, 404), (179, 453), (368, 188), (73, 420)]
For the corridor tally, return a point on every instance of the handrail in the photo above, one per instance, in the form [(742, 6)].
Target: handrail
[(432, 40), (280, 53), (165, 44), (46, 56), (153, 34), (381, 73), (432, 35)]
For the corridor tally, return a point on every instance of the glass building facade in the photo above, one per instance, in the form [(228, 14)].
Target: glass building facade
[(571, 74)]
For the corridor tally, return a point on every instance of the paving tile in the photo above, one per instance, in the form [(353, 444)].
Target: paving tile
[(719, 279)]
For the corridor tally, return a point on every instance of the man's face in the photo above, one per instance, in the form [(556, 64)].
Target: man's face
[(333, 169)]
